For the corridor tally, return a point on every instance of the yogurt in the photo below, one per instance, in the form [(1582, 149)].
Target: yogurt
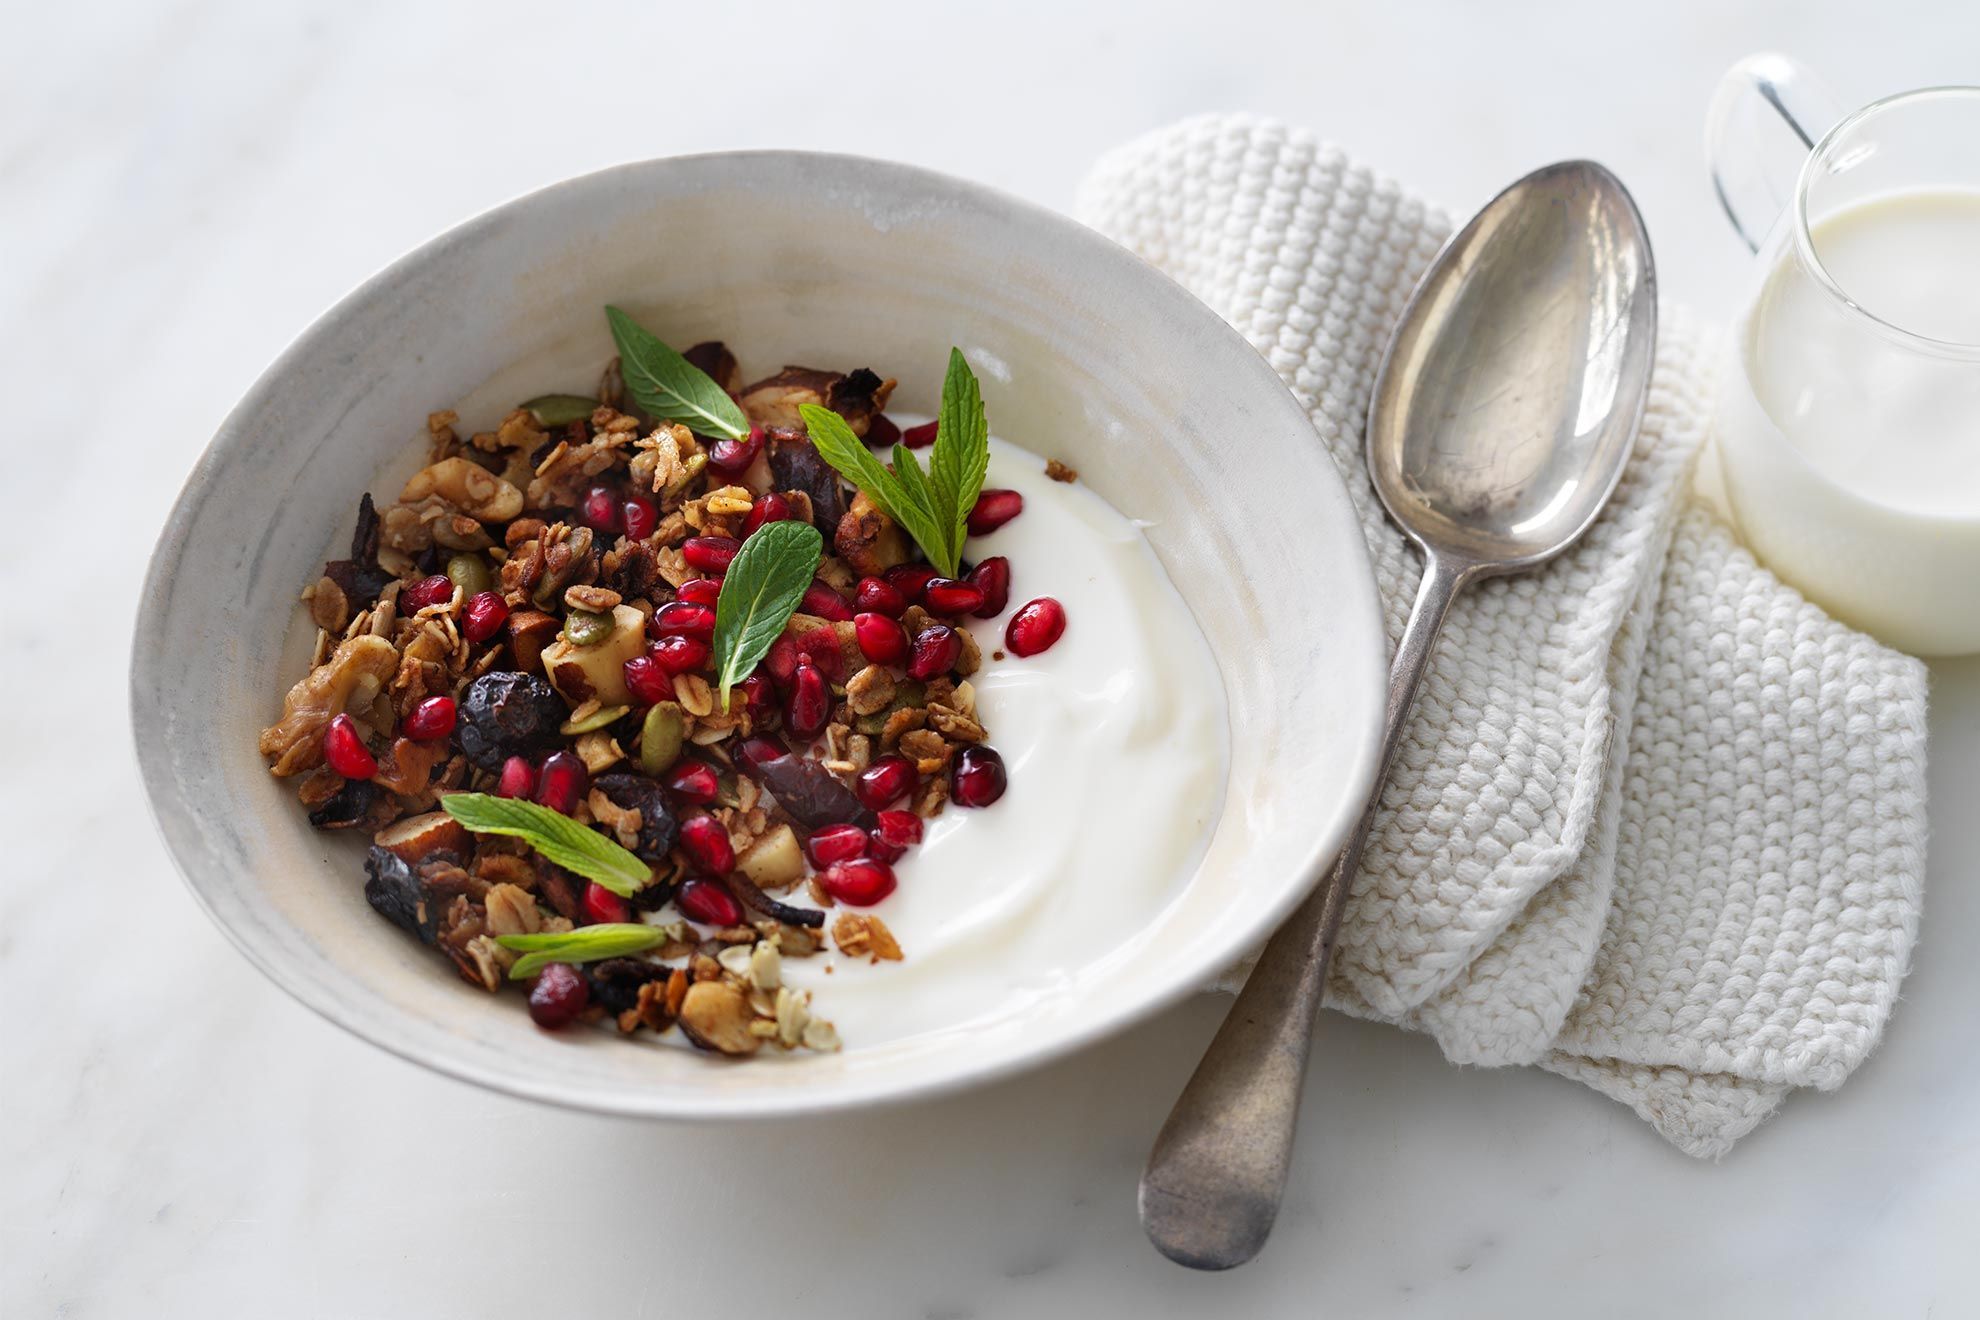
[(1116, 740)]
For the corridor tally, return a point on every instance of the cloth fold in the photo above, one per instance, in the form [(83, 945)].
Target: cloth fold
[(1658, 823)]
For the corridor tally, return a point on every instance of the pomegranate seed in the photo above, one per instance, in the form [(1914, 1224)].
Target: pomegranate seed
[(950, 598), (517, 780), (755, 753), (733, 457), (602, 510), (707, 845), (826, 603), (709, 903), (920, 437), (875, 596), (561, 783), (821, 647), (695, 780), (759, 696), (767, 509), (910, 580), (835, 843), (683, 619), (979, 777), (935, 653), (881, 850), (881, 639), (858, 883), (640, 517), (430, 720), (886, 780), (701, 591), (344, 749), (881, 432), (710, 554), (602, 906), (648, 680), (558, 997), (483, 616), (992, 577), (1035, 626), (810, 705), (901, 828), (678, 655), (435, 590), (993, 509), (781, 661)]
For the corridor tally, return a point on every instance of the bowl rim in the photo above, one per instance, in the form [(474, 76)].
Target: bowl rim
[(1184, 978)]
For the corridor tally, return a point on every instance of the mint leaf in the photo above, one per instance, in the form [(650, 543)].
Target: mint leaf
[(670, 388), (961, 456), (904, 498), (761, 590), (610, 939), (555, 835)]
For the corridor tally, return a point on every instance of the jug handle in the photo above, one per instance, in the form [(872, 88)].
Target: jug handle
[(1754, 163)]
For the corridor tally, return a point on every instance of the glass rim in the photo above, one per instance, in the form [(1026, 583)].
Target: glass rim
[(1804, 241)]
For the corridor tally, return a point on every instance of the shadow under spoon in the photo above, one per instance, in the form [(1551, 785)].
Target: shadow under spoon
[(1505, 408)]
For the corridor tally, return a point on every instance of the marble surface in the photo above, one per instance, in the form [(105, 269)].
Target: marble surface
[(183, 186)]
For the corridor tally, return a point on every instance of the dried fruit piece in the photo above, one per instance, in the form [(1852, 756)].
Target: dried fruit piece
[(812, 795), (657, 823), (506, 714)]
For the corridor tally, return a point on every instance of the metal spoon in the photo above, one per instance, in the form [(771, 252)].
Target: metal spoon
[(1506, 405)]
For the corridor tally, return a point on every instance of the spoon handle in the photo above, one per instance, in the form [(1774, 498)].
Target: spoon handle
[(1218, 1168)]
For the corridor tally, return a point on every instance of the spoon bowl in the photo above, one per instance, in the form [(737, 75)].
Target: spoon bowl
[(1509, 395), (1504, 410)]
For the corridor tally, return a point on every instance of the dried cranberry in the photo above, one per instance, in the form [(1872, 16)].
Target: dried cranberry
[(694, 780), (344, 749), (710, 554), (767, 509), (935, 653), (979, 777), (733, 457), (881, 639), (559, 996), (810, 705), (517, 780), (428, 591), (1035, 626), (861, 882), (993, 509), (707, 845), (709, 903), (701, 591), (881, 432), (910, 580), (920, 437), (562, 782), (602, 510), (657, 821), (640, 517), (950, 598), (888, 779), (683, 619), (483, 616), (824, 602), (992, 577), (679, 655), (602, 906), (430, 720), (876, 596), (835, 843)]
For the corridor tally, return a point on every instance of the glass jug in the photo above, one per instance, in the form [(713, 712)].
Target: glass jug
[(1848, 424)]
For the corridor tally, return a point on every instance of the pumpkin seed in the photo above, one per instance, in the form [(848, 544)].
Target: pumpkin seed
[(660, 737), (583, 628), (598, 719), (560, 409), (470, 573)]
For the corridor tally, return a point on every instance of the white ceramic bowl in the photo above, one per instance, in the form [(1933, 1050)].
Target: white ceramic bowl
[(1089, 354)]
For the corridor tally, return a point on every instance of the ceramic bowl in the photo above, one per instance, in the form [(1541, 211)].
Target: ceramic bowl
[(1092, 356)]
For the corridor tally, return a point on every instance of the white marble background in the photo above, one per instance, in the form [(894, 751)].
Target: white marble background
[(183, 186)]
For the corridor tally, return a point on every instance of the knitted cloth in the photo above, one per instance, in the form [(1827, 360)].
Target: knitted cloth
[(1657, 823)]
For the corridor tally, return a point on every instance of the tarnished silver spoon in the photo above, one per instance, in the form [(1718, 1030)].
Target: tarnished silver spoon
[(1506, 405)]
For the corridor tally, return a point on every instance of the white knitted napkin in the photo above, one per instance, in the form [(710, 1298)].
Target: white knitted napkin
[(1658, 823)]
